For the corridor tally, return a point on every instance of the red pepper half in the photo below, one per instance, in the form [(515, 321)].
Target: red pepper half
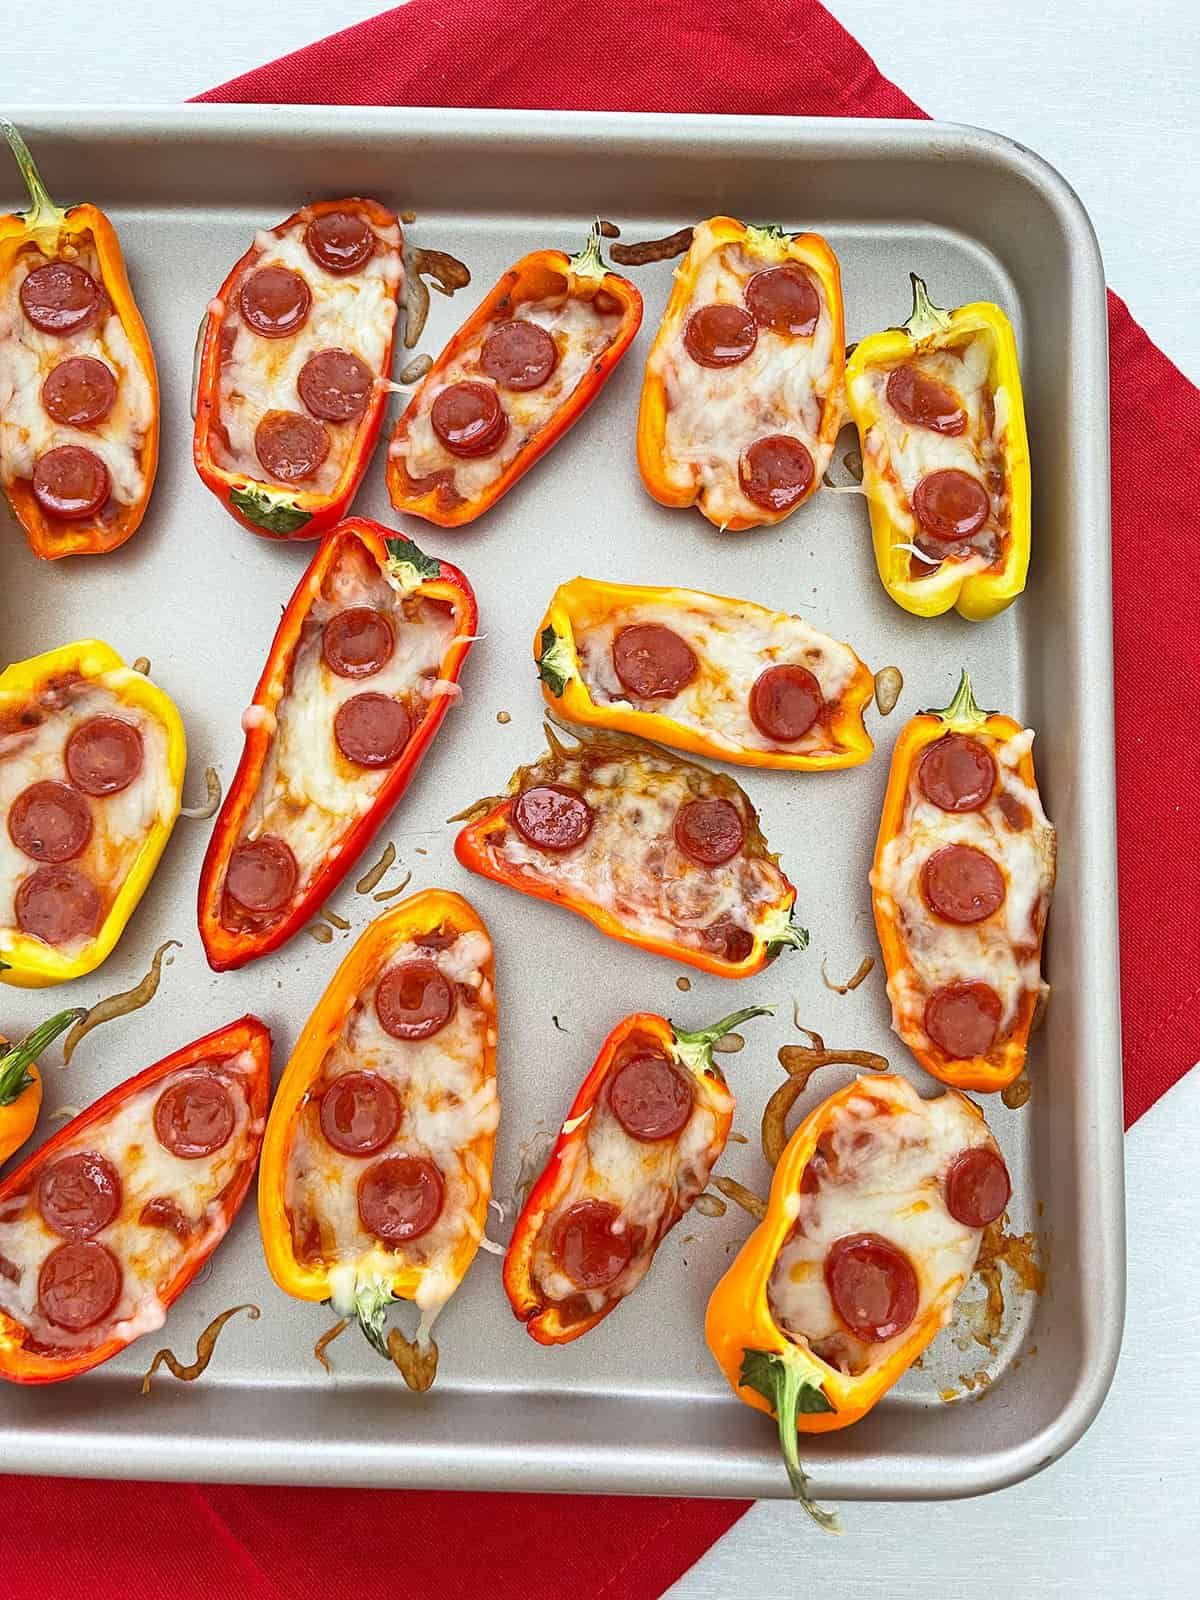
[(336, 643)]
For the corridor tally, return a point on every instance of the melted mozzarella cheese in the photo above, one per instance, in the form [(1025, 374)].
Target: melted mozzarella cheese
[(889, 1152), (27, 357), (449, 1102), (581, 333), (150, 1255)]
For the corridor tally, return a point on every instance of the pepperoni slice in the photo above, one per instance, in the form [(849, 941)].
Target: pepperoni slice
[(653, 662), (872, 1285), (924, 402), (78, 1285), (340, 241), (194, 1116), (79, 1194), (79, 392), (262, 874), (728, 939), (651, 1098), (552, 817), (414, 1000), (785, 701), (720, 335), (784, 299), (957, 773), (977, 1187), (776, 472), (709, 831), (104, 755), (357, 642), (962, 1019), (60, 297), (275, 302), (58, 904), (360, 1111), (290, 446), (400, 1198), (1016, 815), (50, 822), (962, 884), (371, 729), (469, 419), (585, 1246), (335, 385), (950, 504), (518, 355), (71, 482)]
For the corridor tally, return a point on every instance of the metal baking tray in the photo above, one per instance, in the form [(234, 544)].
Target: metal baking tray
[(638, 1404)]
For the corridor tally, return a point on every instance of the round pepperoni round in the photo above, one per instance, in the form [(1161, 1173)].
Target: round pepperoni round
[(71, 482), (414, 1000), (335, 385), (50, 822), (79, 392), (60, 297), (653, 662), (360, 1111), (872, 1285), (518, 355), (957, 773), (720, 335), (371, 729), (923, 402), (552, 817), (357, 642), (776, 472), (709, 831), (290, 446), (400, 1198), (586, 1247), (262, 874), (275, 302), (784, 299), (785, 701), (78, 1285), (963, 1018), (962, 884), (79, 1194), (469, 419), (977, 1187), (194, 1116), (950, 504), (104, 755), (58, 904), (340, 241), (651, 1098)]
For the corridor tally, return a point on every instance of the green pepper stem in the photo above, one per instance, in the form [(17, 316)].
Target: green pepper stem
[(788, 1380), (15, 1076), (962, 712), (409, 564), (42, 213), (589, 263), (695, 1050), (926, 318)]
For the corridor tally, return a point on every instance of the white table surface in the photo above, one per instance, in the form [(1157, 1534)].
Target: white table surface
[(1108, 93)]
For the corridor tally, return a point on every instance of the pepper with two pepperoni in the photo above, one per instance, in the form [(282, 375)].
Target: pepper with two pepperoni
[(79, 415), (21, 1082)]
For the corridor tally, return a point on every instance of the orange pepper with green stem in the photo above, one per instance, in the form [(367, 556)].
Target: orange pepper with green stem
[(21, 1082)]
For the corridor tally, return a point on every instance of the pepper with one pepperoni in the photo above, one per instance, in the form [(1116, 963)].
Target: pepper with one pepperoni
[(945, 454), (874, 1221), (21, 1082), (362, 668), (104, 1227), (78, 387), (648, 1125), (92, 756), (962, 881), (717, 677), (377, 1163), (293, 374), (519, 372)]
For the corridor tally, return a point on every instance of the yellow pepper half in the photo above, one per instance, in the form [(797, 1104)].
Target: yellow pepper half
[(27, 962), (980, 594)]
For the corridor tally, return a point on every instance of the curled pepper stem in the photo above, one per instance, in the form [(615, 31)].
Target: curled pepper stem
[(42, 213), (695, 1050), (962, 712), (15, 1062), (790, 1382), (589, 263), (926, 318)]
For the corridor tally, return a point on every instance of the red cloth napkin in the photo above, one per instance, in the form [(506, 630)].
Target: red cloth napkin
[(742, 56)]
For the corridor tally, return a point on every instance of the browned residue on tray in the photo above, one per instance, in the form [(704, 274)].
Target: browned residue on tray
[(800, 1062), (120, 1005), (750, 1202), (1017, 1252), (647, 251), (370, 878), (446, 273), (205, 1345), (861, 973), (416, 1363), (1017, 1092)]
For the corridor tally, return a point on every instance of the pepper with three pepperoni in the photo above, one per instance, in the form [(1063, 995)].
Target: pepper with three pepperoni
[(520, 371), (78, 387), (21, 1082), (362, 669), (945, 455)]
